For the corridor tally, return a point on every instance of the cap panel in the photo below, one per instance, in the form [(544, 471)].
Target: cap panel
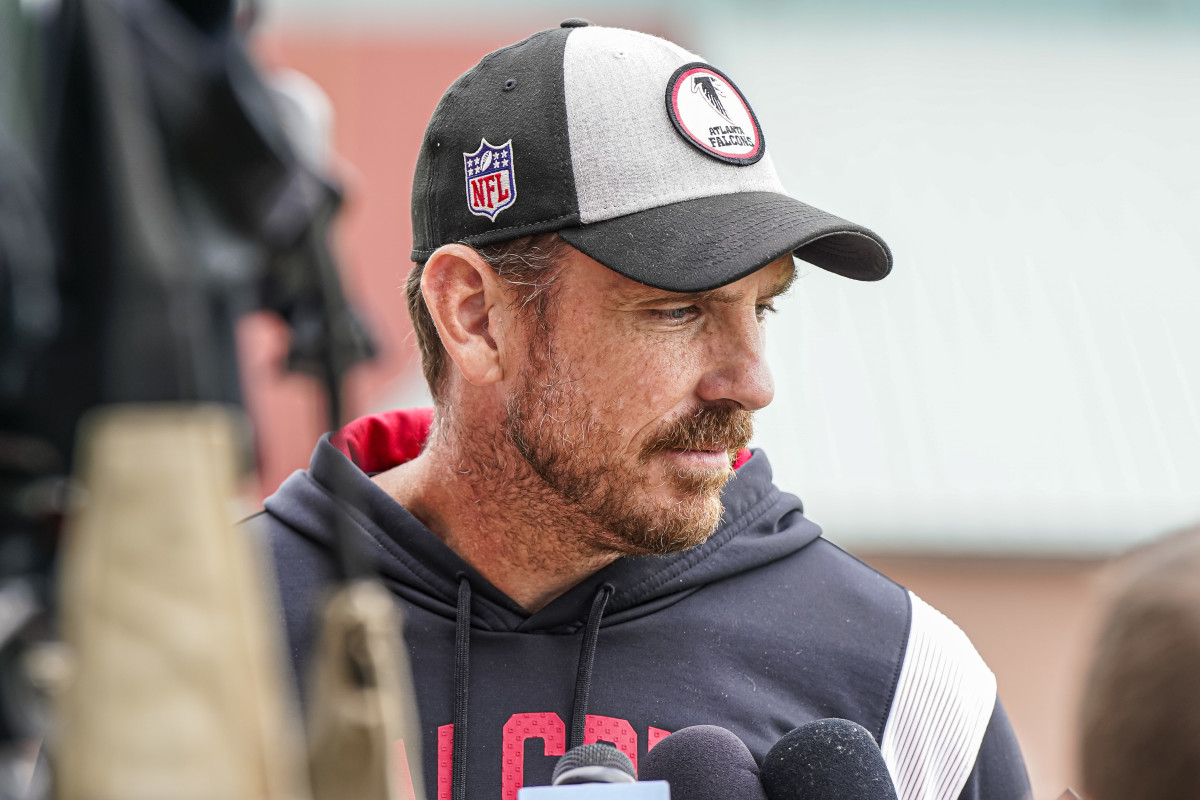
[(626, 154), (513, 95)]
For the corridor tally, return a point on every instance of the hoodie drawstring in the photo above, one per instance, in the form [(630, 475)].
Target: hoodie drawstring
[(462, 668), (583, 675), (462, 664)]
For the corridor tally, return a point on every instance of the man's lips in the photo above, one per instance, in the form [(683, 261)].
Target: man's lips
[(707, 458)]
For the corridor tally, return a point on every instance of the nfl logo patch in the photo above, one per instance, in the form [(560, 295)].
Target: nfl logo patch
[(491, 183)]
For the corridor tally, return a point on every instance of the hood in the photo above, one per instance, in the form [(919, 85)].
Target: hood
[(761, 524)]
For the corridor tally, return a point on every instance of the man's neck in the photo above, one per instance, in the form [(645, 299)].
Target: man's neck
[(499, 516)]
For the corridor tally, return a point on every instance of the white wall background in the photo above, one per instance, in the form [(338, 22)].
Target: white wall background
[(1028, 378)]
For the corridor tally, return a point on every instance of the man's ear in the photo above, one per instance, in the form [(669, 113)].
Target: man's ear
[(468, 303)]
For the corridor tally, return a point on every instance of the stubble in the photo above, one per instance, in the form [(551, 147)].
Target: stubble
[(583, 464)]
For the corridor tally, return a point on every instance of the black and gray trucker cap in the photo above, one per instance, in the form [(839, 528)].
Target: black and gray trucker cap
[(635, 151)]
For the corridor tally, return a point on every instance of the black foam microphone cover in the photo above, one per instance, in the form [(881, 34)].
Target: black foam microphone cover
[(703, 762), (593, 763), (829, 759)]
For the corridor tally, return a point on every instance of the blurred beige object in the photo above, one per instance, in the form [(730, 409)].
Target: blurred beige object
[(179, 689), (361, 711)]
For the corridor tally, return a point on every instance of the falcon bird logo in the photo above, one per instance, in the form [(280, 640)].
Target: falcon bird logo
[(704, 84), (710, 113)]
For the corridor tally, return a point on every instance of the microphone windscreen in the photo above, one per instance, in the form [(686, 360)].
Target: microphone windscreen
[(593, 763), (829, 759), (703, 762)]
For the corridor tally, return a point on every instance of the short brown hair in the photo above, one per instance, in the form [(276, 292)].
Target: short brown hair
[(529, 264), (1140, 725)]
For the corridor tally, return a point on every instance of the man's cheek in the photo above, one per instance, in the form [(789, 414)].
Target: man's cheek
[(648, 393)]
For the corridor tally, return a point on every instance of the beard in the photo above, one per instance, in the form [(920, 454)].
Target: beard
[(584, 462)]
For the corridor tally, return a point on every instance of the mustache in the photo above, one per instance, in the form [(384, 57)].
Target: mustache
[(712, 428)]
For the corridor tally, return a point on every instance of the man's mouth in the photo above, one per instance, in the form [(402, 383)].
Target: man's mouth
[(704, 437), (718, 458)]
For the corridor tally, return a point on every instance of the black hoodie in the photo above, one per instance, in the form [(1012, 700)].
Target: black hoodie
[(762, 628)]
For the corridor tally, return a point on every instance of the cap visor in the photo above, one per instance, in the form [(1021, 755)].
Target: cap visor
[(701, 244)]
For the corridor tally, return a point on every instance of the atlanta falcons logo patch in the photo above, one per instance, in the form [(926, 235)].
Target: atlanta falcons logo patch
[(491, 180), (713, 116)]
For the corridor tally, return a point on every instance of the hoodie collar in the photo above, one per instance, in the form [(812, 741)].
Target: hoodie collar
[(760, 524)]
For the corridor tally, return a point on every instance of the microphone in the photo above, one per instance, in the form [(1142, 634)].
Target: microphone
[(829, 759), (593, 763), (702, 762), (595, 772)]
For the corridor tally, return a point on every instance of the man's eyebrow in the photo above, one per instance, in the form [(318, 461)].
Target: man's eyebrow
[(722, 294), (649, 297), (782, 285)]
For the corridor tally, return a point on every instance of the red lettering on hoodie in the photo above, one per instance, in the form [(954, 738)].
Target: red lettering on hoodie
[(654, 736), (445, 758), (550, 728), (617, 732), (546, 726)]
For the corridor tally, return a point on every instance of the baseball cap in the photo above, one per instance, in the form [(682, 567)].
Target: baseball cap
[(636, 151)]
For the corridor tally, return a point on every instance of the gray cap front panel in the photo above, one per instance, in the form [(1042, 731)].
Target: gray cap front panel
[(625, 152)]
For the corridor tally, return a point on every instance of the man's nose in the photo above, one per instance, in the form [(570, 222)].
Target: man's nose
[(738, 370)]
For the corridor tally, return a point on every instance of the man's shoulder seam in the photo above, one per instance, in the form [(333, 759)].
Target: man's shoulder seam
[(855, 559)]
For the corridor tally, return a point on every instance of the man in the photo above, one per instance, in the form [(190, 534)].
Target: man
[(582, 545)]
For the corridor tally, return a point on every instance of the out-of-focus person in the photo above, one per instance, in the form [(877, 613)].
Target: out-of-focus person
[(1140, 725)]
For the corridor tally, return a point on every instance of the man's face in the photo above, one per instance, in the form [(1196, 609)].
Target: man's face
[(632, 401)]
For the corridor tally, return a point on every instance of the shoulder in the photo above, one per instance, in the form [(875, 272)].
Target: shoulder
[(845, 626), (912, 677), (943, 705), (851, 599)]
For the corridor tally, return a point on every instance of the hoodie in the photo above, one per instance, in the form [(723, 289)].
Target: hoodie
[(762, 628)]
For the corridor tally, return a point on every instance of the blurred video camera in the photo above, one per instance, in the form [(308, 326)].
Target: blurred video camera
[(154, 187)]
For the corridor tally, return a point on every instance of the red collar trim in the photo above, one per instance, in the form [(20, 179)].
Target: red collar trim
[(381, 441), (378, 442)]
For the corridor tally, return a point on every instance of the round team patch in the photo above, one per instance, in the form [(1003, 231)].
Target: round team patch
[(707, 108)]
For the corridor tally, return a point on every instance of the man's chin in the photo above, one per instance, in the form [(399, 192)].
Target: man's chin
[(662, 529), (681, 510)]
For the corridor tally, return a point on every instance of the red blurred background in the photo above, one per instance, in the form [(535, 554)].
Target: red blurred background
[(383, 91)]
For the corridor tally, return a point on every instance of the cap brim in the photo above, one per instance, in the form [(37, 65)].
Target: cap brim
[(697, 245)]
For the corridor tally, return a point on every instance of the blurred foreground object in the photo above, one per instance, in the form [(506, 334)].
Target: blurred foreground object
[(178, 661), (154, 188), (150, 194), (357, 710), (1140, 733)]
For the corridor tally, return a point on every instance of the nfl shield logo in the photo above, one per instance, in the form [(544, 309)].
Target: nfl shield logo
[(491, 184)]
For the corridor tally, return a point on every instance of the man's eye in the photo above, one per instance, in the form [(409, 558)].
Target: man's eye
[(763, 309), (676, 314)]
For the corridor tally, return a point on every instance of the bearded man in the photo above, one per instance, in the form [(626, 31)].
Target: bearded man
[(579, 539)]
